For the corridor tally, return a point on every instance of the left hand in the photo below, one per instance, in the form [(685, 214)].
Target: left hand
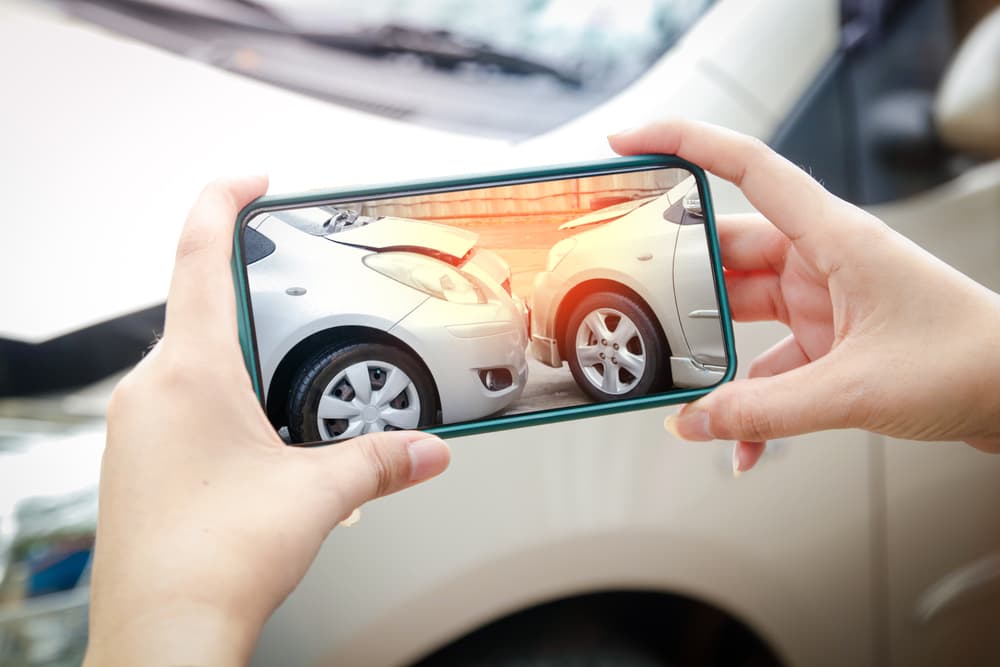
[(207, 520)]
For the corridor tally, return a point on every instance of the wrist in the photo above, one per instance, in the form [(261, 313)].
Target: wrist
[(179, 633), (982, 405)]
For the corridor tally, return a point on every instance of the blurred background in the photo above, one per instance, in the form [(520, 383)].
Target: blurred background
[(617, 545)]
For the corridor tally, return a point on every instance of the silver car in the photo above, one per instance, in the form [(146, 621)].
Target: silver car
[(366, 324), (631, 305)]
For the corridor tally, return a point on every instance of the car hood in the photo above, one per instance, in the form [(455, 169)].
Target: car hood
[(404, 234), (148, 129)]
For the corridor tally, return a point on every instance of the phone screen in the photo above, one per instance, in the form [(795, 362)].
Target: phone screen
[(449, 307)]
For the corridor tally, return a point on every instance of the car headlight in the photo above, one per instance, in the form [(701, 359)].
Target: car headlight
[(428, 275), (558, 252)]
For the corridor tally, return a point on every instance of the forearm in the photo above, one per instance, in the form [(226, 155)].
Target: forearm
[(170, 635), (987, 381)]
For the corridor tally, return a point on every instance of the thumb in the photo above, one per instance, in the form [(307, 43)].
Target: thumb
[(804, 400), (377, 464)]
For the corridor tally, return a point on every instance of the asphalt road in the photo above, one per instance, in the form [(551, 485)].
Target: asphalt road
[(547, 388)]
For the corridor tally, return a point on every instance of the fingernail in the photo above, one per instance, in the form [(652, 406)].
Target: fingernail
[(689, 425), (428, 457), (619, 133), (737, 466), (352, 519)]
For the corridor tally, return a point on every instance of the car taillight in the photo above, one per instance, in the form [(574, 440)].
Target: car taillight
[(506, 285)]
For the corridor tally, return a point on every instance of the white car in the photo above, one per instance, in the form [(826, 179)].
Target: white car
[(367, 324), (580, 538), (631, 305)]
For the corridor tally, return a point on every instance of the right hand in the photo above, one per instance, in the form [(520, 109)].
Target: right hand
[(884, 336)]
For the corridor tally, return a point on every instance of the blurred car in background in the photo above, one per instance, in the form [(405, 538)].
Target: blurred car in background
[(426, 333), (612, 309), (615, 541)]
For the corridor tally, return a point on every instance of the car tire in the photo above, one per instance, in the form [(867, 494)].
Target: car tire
[(350, 380), (614, 348), (590, 654)]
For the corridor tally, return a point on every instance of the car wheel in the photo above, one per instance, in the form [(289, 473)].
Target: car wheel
[(351, 389), (614, 348)]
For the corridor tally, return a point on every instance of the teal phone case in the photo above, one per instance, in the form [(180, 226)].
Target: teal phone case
[(609, 166)]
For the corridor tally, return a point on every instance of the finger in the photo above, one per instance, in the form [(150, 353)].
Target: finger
[(201, 297), (375, 465), (756, 297), (751, 243), (812, 397), (792, 200), (782, 357), (745, 455)]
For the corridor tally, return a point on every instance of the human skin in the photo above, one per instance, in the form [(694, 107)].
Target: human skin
[(884, 336), (207, 521)]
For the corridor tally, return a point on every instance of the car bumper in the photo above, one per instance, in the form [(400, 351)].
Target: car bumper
[(475, 353), (542, 319)]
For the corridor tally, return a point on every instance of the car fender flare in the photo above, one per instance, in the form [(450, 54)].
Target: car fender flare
[(320, 336), (639, 561), (622, 283)]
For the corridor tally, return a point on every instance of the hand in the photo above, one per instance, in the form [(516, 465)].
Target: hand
[(884, 336), (207, 520)]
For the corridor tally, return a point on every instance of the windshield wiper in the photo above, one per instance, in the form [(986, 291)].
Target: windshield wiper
[(441, 48)]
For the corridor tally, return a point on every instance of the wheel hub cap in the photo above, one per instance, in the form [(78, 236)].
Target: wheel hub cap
[(610, 351), (366, 397)]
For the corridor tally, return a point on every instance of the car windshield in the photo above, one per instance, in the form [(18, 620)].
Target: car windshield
[(601, 41), (506, 69)]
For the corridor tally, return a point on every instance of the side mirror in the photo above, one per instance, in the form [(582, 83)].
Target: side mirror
[(692, 203), (967, 109)]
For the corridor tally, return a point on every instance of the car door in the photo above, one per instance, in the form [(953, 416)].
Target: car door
[(938, 551), (694, 286)]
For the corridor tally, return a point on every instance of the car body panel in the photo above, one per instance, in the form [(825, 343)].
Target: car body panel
[(694, 297), (644, 512)]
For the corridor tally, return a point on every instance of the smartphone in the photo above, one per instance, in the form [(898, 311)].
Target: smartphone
[(481, 303)]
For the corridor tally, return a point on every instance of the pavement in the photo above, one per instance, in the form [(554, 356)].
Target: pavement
[(547, 388)]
